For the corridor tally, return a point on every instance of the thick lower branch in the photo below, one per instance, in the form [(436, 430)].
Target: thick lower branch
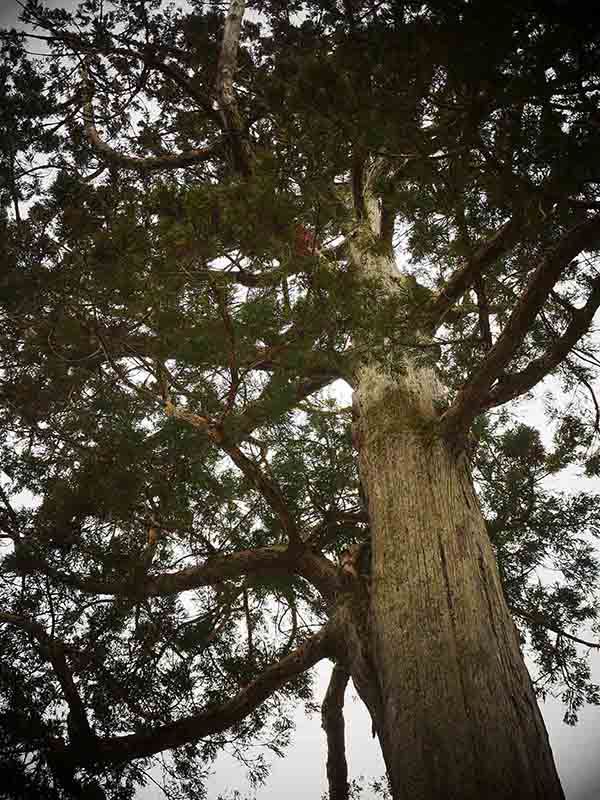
[(276, 560), (145, 743)]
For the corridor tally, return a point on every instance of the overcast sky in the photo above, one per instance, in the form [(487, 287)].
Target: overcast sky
[(301, 774)]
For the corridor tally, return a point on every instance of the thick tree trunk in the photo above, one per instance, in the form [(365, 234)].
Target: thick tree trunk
[(459, 718)]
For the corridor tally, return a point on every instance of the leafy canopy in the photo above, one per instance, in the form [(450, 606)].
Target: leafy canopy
[(176, 293)]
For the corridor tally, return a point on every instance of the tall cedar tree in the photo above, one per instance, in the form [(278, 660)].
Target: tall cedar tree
[(207, 220)]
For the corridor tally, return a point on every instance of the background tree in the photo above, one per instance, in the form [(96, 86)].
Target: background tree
[(207, 221)]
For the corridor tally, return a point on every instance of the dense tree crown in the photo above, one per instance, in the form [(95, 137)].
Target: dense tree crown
[(191, 195)]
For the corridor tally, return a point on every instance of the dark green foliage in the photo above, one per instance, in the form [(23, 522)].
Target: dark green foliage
[(538, 533)]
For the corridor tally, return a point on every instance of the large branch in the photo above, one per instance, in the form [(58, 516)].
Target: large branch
[(275, 560), (218, 718), (332, 720), (514, 384), (471, 398), (463, 277), (54, 652)]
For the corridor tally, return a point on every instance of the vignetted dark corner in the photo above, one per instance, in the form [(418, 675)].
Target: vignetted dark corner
[(212, 214)]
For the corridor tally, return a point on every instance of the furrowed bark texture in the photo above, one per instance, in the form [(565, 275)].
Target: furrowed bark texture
[(459, 716)]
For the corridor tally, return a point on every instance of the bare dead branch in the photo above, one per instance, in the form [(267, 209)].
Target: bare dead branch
[(332, 722), (226, 98), (472, 396)]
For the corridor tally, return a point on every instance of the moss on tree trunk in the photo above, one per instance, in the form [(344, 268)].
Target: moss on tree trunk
[(459, 715)]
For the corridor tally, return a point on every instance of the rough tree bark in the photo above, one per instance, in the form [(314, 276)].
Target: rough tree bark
[(455, 709), (459, 715)]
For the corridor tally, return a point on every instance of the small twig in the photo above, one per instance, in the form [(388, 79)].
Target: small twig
[(55, 653), (538, 619), (248, 625), (12, 513)]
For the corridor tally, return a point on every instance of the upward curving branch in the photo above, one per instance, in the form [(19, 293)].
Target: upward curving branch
[(514, 384), (142, 164), (220, 717), (472, 397)]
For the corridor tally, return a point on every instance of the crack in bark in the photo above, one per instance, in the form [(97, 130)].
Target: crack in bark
[(446, 581)]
